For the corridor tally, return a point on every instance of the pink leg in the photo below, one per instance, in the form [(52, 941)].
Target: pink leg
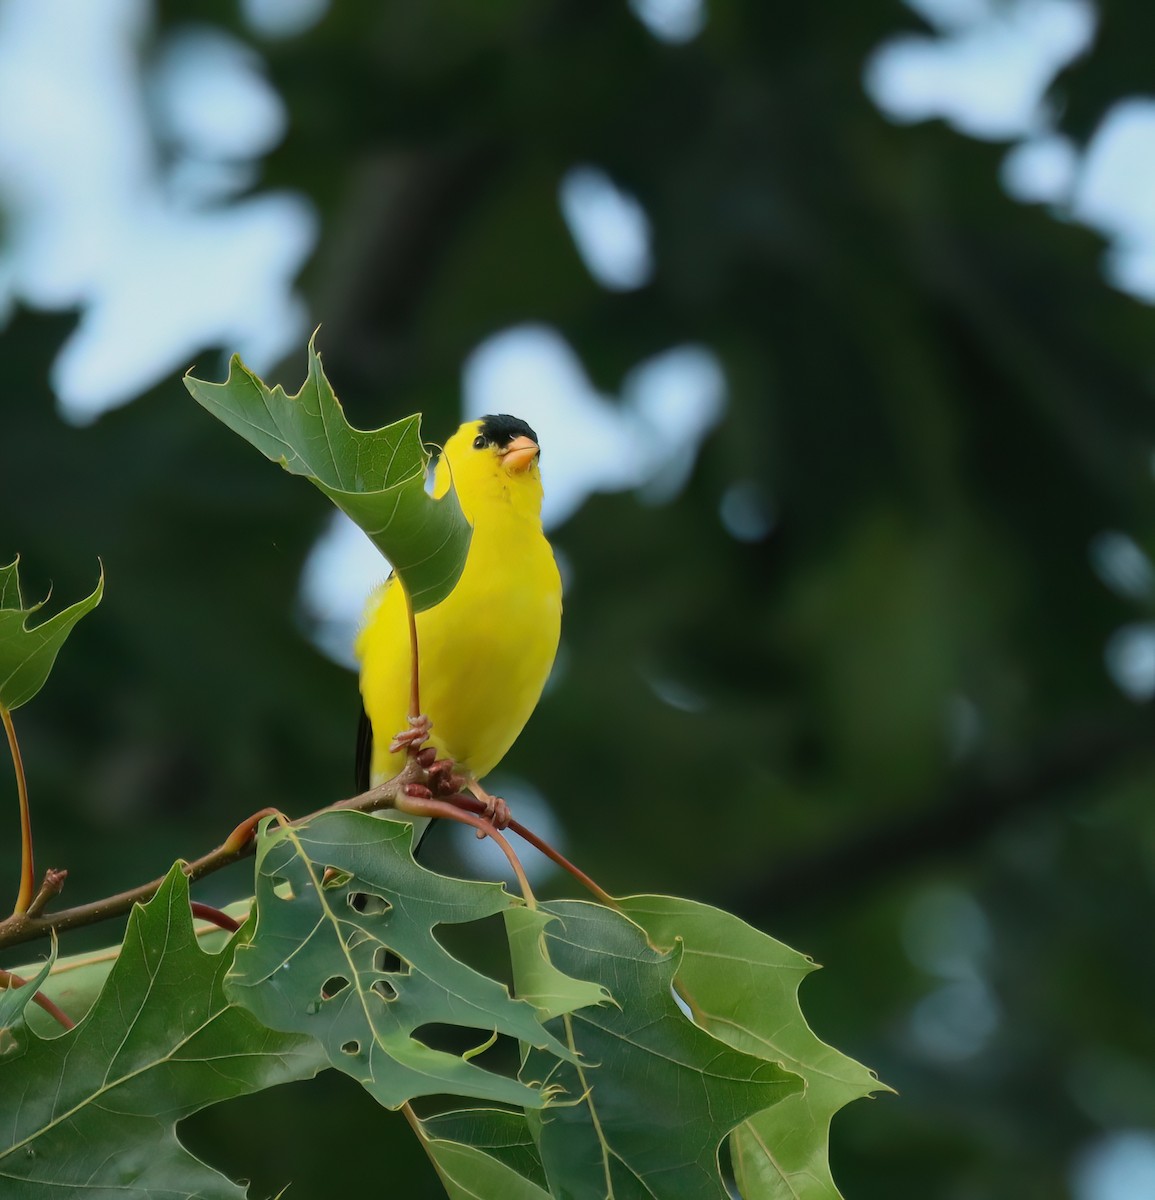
[(496, 810), (413, 737)]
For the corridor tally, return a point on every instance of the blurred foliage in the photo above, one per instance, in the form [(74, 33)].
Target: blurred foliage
[(902, 686)]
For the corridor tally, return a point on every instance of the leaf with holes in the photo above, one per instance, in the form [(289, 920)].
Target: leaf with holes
[(345, 949), (27, 655), (375, 476), (93, 1111), (742, 986), (652, 1095)]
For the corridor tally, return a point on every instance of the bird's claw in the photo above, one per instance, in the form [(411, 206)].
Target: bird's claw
[(443, 779), (417, 791), (414, 737), (496, 812)]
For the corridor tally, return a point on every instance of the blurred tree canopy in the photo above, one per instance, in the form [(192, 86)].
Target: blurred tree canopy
[(906, 756)]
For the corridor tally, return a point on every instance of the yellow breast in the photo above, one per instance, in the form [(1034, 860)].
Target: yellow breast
[(485, 651)]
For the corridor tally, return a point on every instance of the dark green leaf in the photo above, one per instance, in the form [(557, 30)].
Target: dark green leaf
[(27, 655), (500, 1133), (375, 476), (345, 949), (92, 1112), (654, 1095)]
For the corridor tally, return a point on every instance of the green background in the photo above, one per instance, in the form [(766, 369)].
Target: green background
[(909, 760)]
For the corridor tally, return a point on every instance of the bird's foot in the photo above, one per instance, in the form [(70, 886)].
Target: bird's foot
[(443, 779), (496, 810), (416, 791), (414, 737)]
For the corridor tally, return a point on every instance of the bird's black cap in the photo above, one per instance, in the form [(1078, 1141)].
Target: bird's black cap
[(499, 429)]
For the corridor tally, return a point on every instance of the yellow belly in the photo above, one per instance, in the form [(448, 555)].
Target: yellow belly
[(485, 654)]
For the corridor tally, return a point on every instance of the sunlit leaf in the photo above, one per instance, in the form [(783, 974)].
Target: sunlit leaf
[(375, 476), (92, 1112), (742, 986), (345, 949), (549, 990), (654, 1095), (27, 655)]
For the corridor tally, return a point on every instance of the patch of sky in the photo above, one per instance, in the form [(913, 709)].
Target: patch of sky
[(1119, 1165), (1129, 657), (674, 21), (646, 441), (282, 18), (609, 227), (156, 252), (985, 70)]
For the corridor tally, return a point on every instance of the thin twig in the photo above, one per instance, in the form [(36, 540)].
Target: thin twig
[(560, 859), (474, 805), (454, 811), (20, 927), (27, 867), (51, 887), (414, 661)]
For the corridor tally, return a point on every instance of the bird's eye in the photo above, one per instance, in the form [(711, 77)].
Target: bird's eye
[(479, 442)]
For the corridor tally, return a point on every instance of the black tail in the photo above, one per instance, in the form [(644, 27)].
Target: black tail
[(364, 756), (362, 765)]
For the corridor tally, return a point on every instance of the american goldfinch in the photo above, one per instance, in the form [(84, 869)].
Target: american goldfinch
[(486, 650)]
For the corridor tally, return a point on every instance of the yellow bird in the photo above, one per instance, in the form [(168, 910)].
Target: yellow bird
[(486, 650)]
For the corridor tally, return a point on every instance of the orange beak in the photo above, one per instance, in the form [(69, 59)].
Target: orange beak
[(519, 454)]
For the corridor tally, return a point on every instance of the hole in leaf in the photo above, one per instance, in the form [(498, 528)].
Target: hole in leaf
[(333, 986), (469, 1043), (385, 990), (368, 903), (351, 1048), (385, 959), (334, 878), (283, 889), (482, 945)]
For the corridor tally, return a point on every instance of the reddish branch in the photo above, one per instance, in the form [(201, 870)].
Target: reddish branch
[(27, 926)]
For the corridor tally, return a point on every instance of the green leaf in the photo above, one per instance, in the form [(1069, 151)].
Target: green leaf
[(484, 1154), (14, 1000), (742, 987), (93, 1111), (539, 982), (27, 655), (654, 1095), (375, 476), (77, 979), (345, 949), (500, 1133)]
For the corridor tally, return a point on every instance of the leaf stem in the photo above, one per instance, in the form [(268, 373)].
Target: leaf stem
[(454, 811), (414, 661), (27, 868), (206, 912), (9, 980), (474, 805)]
